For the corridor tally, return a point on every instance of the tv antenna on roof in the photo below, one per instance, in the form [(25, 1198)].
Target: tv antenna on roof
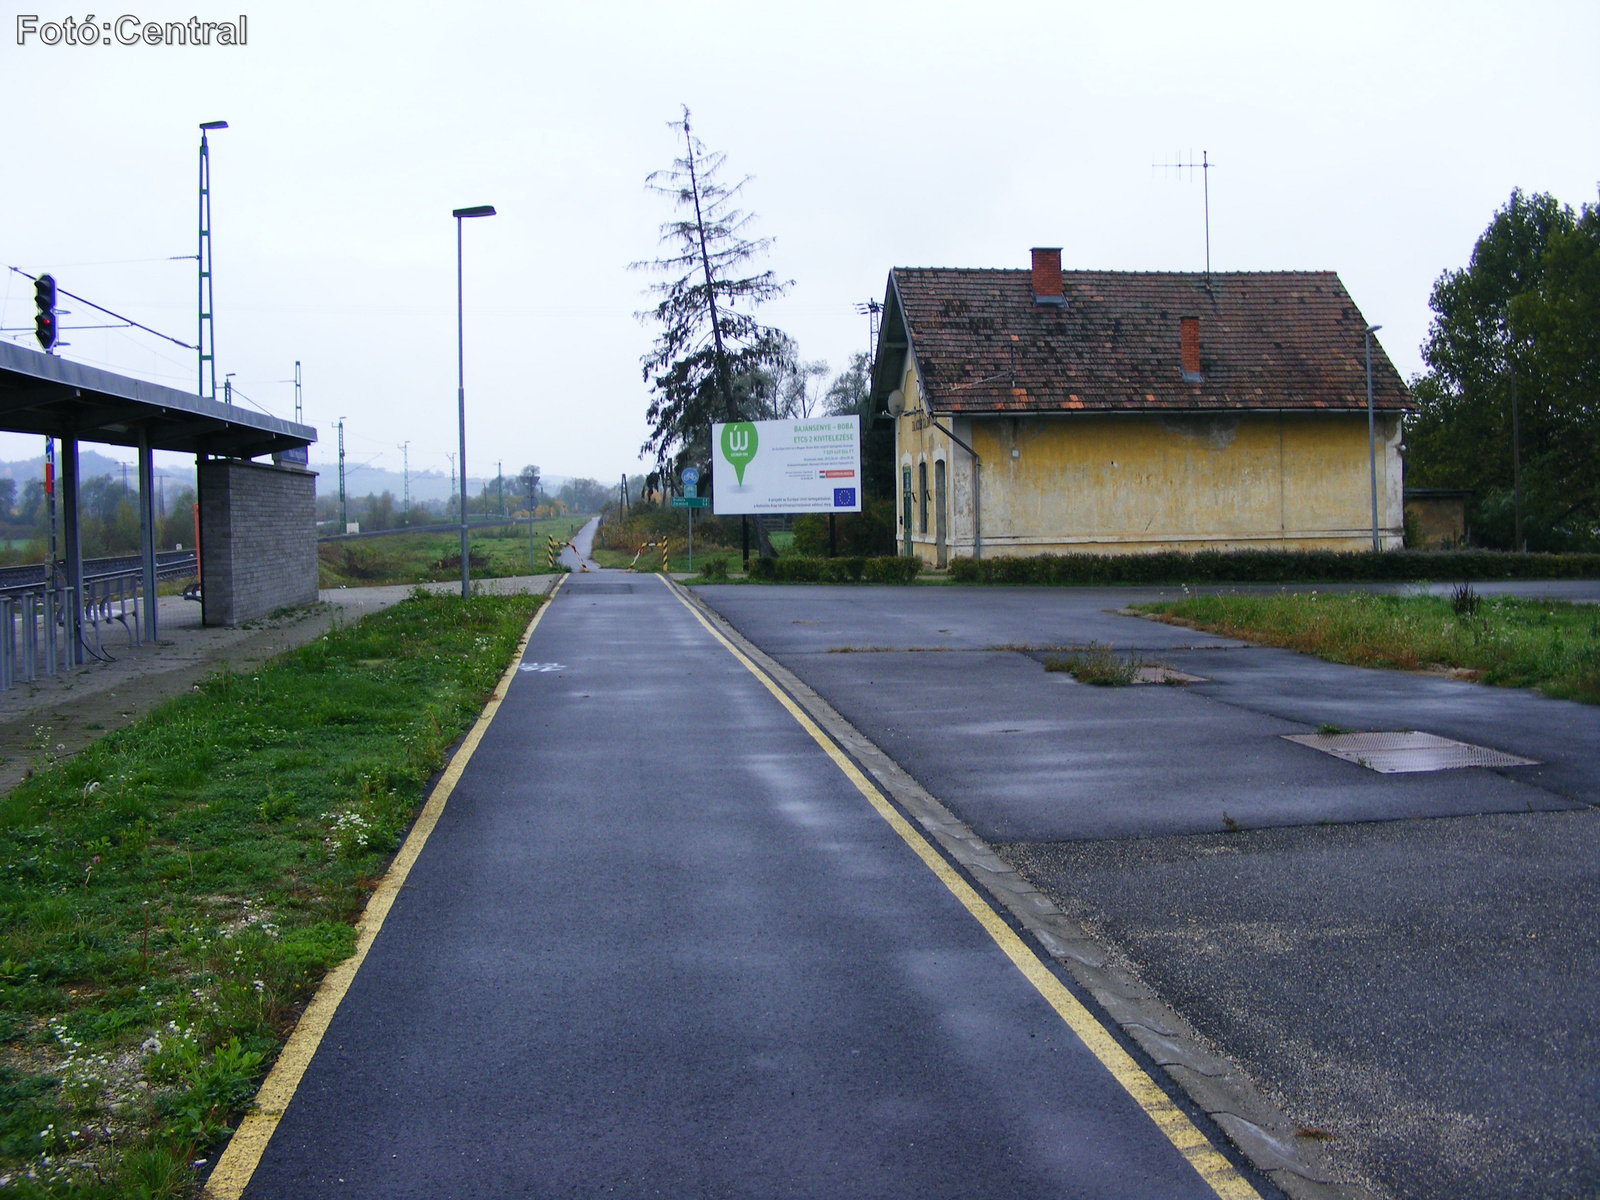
[(1204, 167), (870, 309)]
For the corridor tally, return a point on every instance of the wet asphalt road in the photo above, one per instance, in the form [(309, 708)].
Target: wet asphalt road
[(1408, 961), (659, 945)]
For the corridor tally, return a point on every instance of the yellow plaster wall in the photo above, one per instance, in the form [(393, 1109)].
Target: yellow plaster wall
[(1129, 483)]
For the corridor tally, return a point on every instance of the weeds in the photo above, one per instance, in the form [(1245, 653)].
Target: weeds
[(171, 896), (1501, 640), (431, 557), (1097, 665)]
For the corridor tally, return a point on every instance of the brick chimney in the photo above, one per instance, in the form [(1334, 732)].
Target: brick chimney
[(1047, 287), (1189, 348)]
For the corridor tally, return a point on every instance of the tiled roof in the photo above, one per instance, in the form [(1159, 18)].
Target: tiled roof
[(1268, 340)]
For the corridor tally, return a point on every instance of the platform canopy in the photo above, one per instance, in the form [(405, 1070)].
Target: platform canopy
[(53, 397)]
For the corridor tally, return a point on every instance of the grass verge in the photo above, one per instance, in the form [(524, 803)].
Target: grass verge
[(493, 553), (1502, 640), (171, 897)]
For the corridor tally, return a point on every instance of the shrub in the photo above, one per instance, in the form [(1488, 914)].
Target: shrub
[(867, 533), (834, 570), (1273, 566), (892, 570), (714, 568)]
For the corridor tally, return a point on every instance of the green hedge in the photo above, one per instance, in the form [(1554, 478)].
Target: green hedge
[(834, 570), (1275, 566)]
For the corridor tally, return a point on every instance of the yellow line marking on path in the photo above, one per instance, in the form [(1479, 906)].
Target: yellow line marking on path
[(1209, 1163), (244, 1150)]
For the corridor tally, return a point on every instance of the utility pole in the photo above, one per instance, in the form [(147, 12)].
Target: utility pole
[(500, 485), (1372, 440), (299, 415), (1517, 542), (344, 513), (453, 482), (405, 467)]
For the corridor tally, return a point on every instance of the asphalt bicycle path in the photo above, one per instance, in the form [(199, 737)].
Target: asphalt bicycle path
[(659, 943)]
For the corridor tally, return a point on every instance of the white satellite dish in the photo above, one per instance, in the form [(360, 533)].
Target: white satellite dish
[(896, 402)]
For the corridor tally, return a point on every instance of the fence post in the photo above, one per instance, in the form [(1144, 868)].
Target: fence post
[(30, 634), (50, 642)]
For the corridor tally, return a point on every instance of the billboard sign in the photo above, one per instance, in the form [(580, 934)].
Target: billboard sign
[(802, 466)]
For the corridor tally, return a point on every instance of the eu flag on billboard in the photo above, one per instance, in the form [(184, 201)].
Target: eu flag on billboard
[(844, 497)]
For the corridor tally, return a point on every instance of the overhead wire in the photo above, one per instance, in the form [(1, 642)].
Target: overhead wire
[(74, 296)]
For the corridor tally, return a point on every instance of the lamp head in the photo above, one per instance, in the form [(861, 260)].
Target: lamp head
[(479, 210), (213, 124), (1374, 328)]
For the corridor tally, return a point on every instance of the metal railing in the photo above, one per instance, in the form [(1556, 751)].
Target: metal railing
[(35, 627)]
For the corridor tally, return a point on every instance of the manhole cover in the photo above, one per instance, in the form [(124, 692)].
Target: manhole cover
[(1400, 753), (600, 589)]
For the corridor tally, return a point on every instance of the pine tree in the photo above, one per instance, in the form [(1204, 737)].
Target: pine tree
[(708, 339)]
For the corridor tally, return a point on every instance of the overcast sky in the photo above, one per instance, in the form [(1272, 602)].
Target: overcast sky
[(1373, 140)]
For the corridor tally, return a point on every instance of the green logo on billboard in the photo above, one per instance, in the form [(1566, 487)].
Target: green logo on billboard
[(739, 446)]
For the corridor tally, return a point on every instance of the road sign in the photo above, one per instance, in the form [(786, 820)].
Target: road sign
[(689, 502), (690, 477)]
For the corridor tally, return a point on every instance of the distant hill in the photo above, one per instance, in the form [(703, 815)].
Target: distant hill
[(425, 485), (358, 481), (92, 464)]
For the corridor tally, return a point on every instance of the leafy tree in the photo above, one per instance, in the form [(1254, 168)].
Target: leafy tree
[(176, 528), (1526, 310), (8, 495), (32, 500), (584, 495), (851, 392)]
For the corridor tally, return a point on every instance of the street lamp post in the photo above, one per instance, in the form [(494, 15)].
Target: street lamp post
[(460, 214), (208, 326), (1372, 440)]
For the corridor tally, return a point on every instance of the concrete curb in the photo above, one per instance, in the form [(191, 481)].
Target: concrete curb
[(1301, 1167)]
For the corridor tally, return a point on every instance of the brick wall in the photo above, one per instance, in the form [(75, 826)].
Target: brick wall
[(258, 539)]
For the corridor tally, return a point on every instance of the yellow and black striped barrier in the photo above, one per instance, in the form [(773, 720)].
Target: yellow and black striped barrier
[(634, 565), (553, 551)]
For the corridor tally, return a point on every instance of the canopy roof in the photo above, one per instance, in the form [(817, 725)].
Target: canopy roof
[(51, 396)]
